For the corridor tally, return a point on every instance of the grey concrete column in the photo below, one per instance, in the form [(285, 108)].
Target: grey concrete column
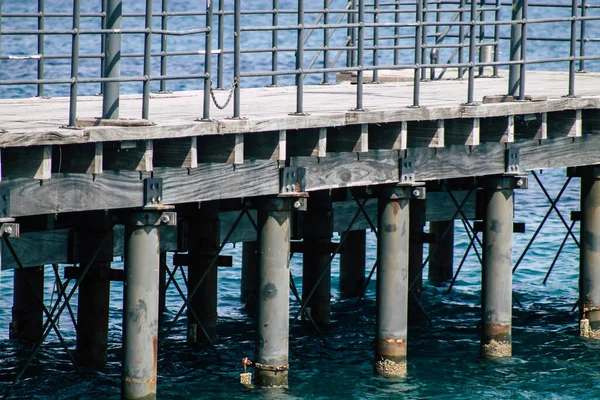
[(415, 259), (272, 344), (140, 306), (496, 280), (204, 246), (249, 289), (27, 314), (318, 230), (352, 264), (392, 282), (442, 260), (589, 267)]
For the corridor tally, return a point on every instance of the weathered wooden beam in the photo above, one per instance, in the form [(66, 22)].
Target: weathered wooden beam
[(78, 158), (391, 136), (564, 123), (426, 133), (216, 149), (303, 142), (590, 121), (352, 138), (463, 131), (129, 156), (497, 129), (263, 146), (176, 153), (27, 162)]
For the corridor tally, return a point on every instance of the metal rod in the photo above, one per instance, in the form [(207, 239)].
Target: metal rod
[(237, 61), (300, 60), (61, 294), (397, 20), (40, 47), (112, 62), (572, 48), (221, 44), (147, 61), (164, 25), (325, 42), (424, 39), (582, 38), (273, 302), (418, 61), (208, 61), (481, 36), (360, 56), (496, 38), (472, 51), (275, 43), (376, 6), (523, 67), (74, 63), (555, 259), (461, 37)]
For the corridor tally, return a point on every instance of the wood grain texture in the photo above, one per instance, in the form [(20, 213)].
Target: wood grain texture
[(27, 162), (463, 131), (349, 169), (426, 134), (529, 126), (563, 124), (176, 153), (263, 146), (125, 158)]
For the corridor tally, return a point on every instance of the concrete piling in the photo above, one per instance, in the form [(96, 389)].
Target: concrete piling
[(27, 312), (589, 273), (392, 282), (273, 296), (318, 230), (140, 306), (352, 264), (441, 260), (496, 280)]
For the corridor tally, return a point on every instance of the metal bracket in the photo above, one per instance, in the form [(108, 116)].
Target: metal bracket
[(11, 229), (511, 161), (407, 171), (293, 182), (152, 192), (500, 182)]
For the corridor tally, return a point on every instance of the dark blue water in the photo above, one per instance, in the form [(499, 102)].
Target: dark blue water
[(550, 360)]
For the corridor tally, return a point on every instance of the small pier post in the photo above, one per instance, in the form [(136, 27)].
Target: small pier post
[(496, 279), (352, 264), (27, 313), (93, 300), (249, 287), (140, 305), (204, 245), (392, 280), (589, 273), (415, 259), (318, 230), (441, 261), (272, 344)]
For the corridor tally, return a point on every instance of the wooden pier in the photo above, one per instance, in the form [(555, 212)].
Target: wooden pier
[(168, 172)]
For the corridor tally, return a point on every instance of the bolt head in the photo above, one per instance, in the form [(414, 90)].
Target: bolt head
[(416, 193), (519, 183), (297, 204), (165, 219), (8, 230)]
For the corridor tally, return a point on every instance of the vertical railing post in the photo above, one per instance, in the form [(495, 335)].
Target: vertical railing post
[(147, 60), (164, 25), (275, 43), (112, 62), (496, 38), (74, 63), (523, 65), (461, 36), (424, 40), (582, 35), (397, 32), (418, 45), (102, 43), (237, 55), (516, 32), (360, 55), (300, 59), (325, 41), (208, 59), (482, 38), (40, 47), (472, 52), (375, 41), (573, 48), (350, 60), (435, 53), (221, 44)]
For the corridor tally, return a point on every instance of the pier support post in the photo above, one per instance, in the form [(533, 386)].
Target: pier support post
[(204, 245), (27, 313), (415, 259), (140, 304), (318, 230), (352, 264), (441, 261), (93, 299), (589, 267), (249, 290), (496, 279), (392, 279), (273, 296)]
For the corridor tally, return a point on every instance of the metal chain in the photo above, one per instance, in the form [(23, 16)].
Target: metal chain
[(214, 99)]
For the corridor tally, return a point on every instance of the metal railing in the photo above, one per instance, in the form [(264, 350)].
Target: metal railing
[(116, 47)]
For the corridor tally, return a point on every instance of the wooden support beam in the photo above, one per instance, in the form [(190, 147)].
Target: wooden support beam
[(590, 121), (77, 158), (530, 126), (303, 142), (176, 153), (216, 149), (463, 131), (497, 129), (426, 133), (282, 146), (352, 138), (238, 149), (564, 123), (392, 136), (129, 156), (27, 162), (322, 146), (264, 146)]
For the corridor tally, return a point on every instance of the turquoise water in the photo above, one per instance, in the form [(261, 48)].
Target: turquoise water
[(550, 360)]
